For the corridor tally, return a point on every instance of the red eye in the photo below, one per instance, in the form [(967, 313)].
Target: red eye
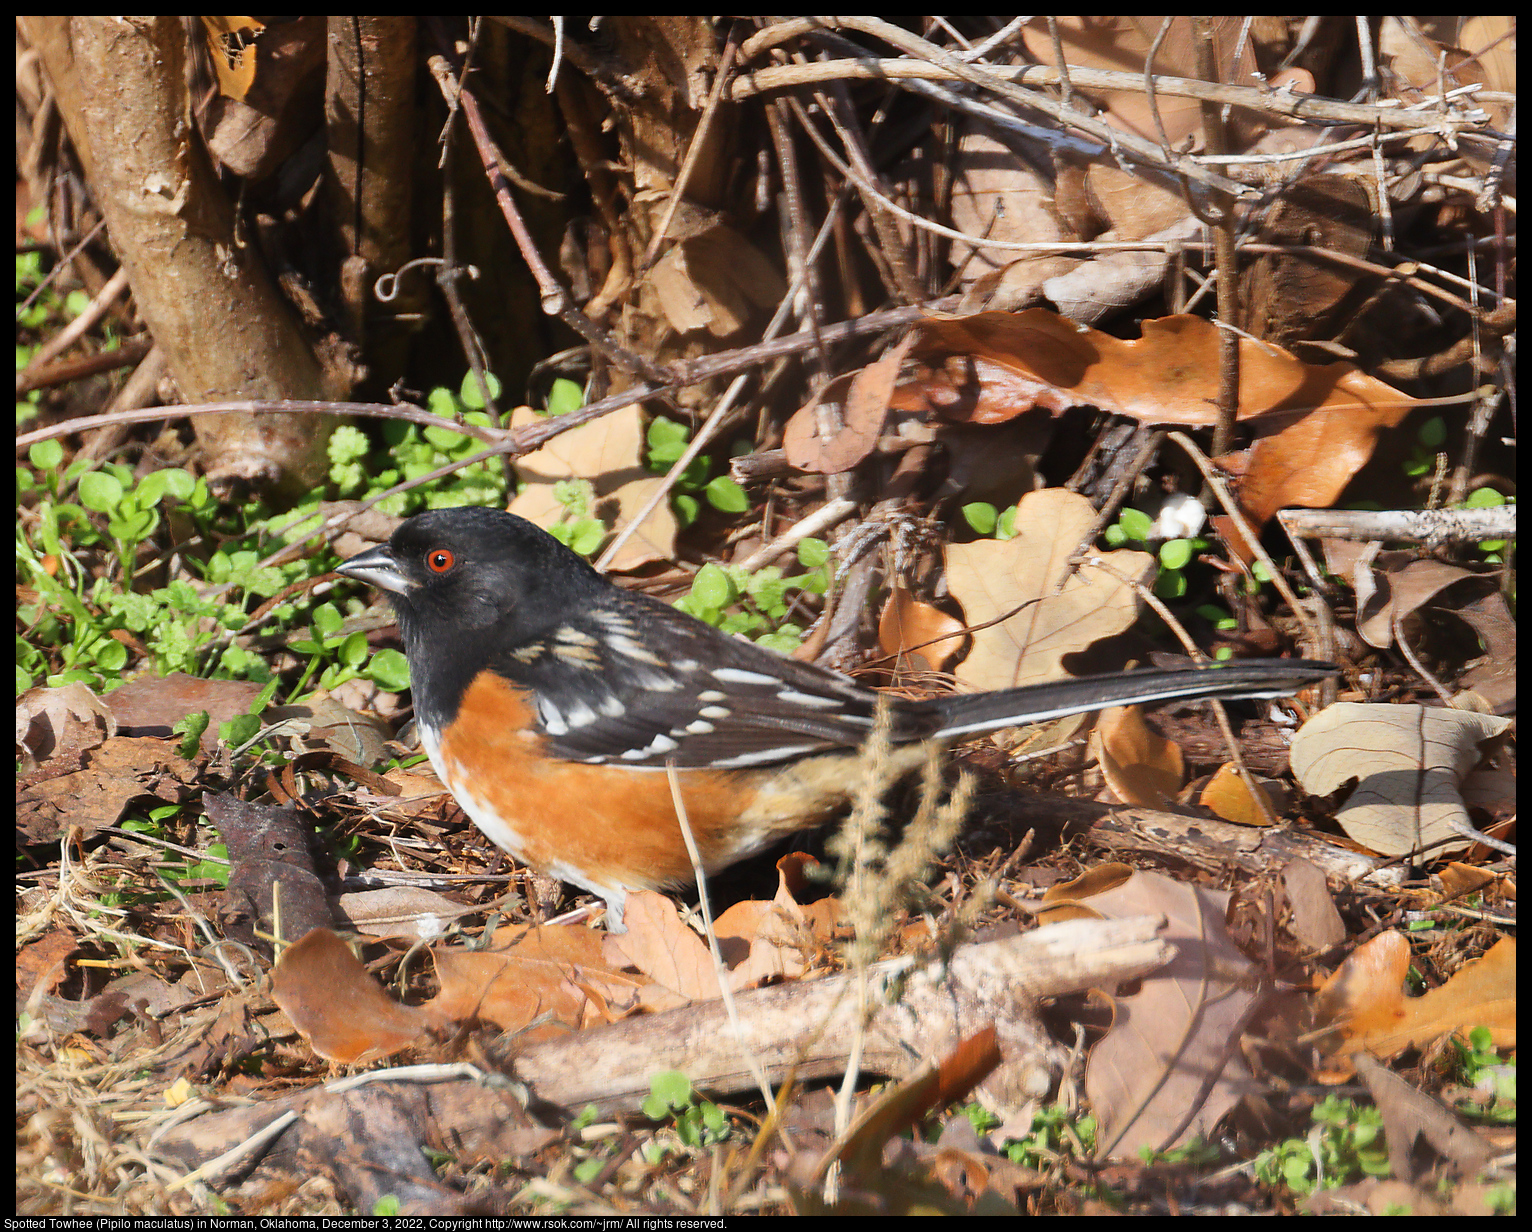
[(439, 560)]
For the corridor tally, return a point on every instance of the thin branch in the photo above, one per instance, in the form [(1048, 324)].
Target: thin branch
[(1312, 108)]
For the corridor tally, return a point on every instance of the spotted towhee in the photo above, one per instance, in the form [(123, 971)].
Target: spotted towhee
[(551, 702)]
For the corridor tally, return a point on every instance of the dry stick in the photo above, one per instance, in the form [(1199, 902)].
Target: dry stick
[(698, 141), (576, 53), (1099, 129), (1413, 660), (403, 411), (80, 326), (1120, 492), (842, 116), (1478, 419), (693, 372), (528, 438), (61, 372), (1066, 87), (1312, 108), (448, 271), (63, 264), (870, 190), (1149, 84), (603, 186), (1404, 272), (1433, 527), (826, 516), (794, 221)]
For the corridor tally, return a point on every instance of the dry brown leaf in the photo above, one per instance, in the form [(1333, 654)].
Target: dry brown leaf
[(1132, 208), (400, 911), (862, 403), (823, 916), (1287, 297), (1310, 462), (1015, 578), (1067, 900), (1412, 1120), (712, 280), (867, 1185), (609, 452), (1171, 1050), (1411, 763), (664, 948), (1400, 584), (1364, 1000), (996, 195), (62, 722), (1122, 43), (151, 705), (762, 941), (1316, 922), (993, 366), (1141, 766), (337, 1006), (1228, 795), (1460, 879), (120, 770), (917, 636), (557, 973)]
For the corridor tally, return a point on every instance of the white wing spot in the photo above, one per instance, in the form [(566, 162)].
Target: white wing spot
[(552, 721), (712, 695), (776, 753), (715, 712), (699, 727), (795, 698), (735, 675), (660, 744)]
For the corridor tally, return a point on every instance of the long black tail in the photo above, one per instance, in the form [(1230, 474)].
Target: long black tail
[(965, 714)]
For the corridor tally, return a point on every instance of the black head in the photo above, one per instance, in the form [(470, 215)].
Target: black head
[(473, 575)]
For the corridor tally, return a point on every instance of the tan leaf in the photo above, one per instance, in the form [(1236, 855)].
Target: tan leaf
[(338, 1006), (862, 413), (1168, 1051), (1411, 763), (1141, 766), (558, 973), (1016, 578), (609, 452), (712, 280), (919, 637), (1364, 1000), (1229, 796)]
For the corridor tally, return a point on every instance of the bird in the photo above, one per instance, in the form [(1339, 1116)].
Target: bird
[(554, 706)]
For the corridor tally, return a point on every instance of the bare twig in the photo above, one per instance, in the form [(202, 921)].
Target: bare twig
[(1312, 108)]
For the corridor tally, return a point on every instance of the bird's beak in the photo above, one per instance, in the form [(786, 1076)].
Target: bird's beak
[(377, 567)]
